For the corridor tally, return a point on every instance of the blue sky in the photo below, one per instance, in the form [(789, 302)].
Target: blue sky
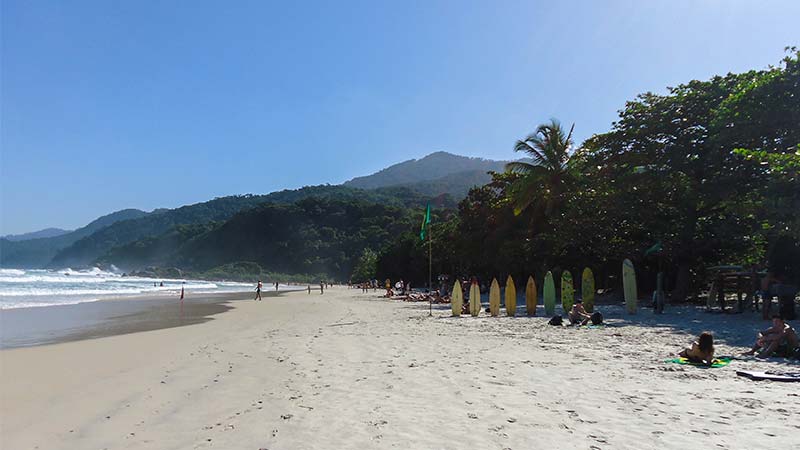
[(146, 104)]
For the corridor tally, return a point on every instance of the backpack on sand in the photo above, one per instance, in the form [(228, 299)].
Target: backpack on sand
[(556, 320)]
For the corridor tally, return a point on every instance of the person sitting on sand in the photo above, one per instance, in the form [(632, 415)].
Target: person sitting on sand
[(701, 351), (578, 315), (780, 339)]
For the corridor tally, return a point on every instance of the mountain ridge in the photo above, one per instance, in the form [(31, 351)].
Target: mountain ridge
[(434, 166), (439, 177), (37, 253), (45, 233)]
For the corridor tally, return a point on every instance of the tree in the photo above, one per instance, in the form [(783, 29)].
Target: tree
[(543, 180), (366, 267), (674, 157)]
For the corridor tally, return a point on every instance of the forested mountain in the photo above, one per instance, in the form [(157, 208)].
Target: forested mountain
[(46, 233), (456, 184), (39, 252), (145, 241), (312, 236), (437, 171), (91, 247)]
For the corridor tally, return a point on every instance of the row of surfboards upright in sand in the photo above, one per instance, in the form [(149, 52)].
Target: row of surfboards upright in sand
[(549, 294)]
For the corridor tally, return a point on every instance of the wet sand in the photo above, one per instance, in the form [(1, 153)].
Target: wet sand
[(25, 327), (348, 370)]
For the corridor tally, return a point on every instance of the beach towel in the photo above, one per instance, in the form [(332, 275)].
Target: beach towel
[(718, 362), (771, 375)]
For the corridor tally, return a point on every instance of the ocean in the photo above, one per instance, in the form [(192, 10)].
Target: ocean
[(32, 288)]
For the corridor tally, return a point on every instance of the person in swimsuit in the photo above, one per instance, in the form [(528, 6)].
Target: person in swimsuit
[(578, 315), (258, 291), (779, 339), (701, 351)]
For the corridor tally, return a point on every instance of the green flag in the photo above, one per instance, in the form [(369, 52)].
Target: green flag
[(426, 219)]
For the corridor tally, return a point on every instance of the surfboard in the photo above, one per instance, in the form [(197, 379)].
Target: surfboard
[(629, 285), (494, 298), (531, 296), (778, 376), (587, 290), (567, 291), (511, 297), (457, 300), (474, 299), (549, 294)]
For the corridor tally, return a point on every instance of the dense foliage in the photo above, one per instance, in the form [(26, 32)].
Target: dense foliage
[(312, 236), (707, 169)]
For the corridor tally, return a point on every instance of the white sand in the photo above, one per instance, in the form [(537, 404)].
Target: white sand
[(350, 370)]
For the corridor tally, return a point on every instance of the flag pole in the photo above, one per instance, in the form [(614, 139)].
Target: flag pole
[(430, 272)]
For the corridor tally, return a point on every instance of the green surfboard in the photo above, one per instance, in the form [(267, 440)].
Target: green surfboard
[(457, 301), (629, 285), (494, 298), (511, 297), (587, 290), (567, 291), (531, 297), (549, 294)]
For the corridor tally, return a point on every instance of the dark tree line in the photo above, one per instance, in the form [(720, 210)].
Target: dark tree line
[(708, 170)]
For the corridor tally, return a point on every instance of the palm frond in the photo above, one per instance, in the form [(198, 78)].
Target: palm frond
[(520, 167), (526, 147)]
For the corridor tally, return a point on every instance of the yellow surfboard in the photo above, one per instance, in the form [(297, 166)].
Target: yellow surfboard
[(531, 296), (587, 290), (494, 298), (629, 286), (474, 299), (457, 300), (511, 297)]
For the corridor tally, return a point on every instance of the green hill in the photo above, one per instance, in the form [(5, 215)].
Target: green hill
[(437, 173), (311, 236), (34, 253), (147, 240)]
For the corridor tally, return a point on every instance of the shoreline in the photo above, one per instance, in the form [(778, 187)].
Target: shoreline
[(53, 324)]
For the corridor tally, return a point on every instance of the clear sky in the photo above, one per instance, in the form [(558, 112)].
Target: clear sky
[(144, 104)]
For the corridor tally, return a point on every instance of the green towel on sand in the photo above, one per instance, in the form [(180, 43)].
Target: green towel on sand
[(718, 362)]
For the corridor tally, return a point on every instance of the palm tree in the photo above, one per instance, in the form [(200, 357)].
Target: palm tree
[(542, 181)]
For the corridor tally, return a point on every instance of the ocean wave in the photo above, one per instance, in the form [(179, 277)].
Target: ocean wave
[(30, 304), (16, 272)]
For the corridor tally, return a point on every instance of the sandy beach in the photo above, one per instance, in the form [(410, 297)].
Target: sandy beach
[(352, 370)]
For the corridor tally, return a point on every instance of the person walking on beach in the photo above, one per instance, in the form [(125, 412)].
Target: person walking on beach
[(258, 291), (276, 286), (321, 287)]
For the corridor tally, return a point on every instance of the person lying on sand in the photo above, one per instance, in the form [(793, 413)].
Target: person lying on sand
[(701, 351), (780, 339), (578, 315)]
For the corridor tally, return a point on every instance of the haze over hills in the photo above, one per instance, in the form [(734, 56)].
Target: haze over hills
[(46, 233), (192, 235), (439, 168), (37, 253)]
